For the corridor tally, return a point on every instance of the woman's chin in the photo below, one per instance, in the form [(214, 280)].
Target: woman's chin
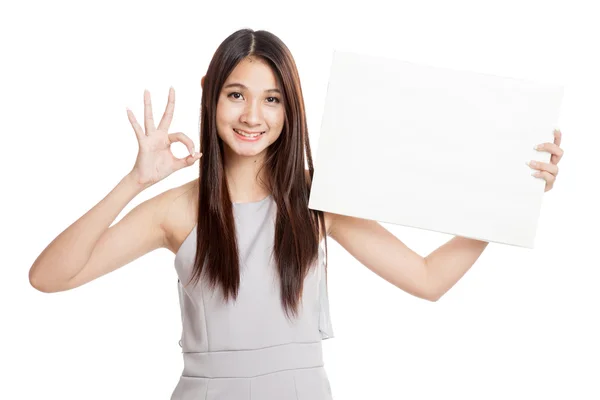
[(247, 151)]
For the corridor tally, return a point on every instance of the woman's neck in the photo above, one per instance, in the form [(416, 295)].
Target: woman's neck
[(242, 180)]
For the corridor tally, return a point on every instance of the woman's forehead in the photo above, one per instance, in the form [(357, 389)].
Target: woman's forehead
[(254, 75)]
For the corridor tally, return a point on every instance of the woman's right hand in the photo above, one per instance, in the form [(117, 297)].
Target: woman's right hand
[(155, 161)]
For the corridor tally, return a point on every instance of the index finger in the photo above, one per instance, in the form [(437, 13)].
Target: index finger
[(167, 117), (557, 137), (148, 118)]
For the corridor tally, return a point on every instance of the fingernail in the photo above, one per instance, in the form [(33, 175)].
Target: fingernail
[(539, 146), (532, 163)]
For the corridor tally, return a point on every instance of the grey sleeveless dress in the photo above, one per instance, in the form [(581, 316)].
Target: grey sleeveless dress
[(248, 349)]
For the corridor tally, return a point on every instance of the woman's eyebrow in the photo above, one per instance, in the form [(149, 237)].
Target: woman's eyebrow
[(244, 87)]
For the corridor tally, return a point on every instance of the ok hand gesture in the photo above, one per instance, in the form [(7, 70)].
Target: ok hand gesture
[(155, 161)]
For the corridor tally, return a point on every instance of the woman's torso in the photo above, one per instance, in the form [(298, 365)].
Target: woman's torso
[(247, 349)]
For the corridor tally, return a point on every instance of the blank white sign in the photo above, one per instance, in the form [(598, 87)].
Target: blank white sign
[(433, 148)]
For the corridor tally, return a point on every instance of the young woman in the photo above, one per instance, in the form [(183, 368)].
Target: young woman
[(249, 253)]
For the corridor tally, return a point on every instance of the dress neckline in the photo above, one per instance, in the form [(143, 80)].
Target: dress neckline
[(252, 202)]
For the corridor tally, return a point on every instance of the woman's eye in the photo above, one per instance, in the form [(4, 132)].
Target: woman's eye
[(237, 96)]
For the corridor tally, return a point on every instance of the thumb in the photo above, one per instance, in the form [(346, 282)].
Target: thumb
[(190, 160)]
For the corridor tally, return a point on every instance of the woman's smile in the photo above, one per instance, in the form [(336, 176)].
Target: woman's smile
[(247, 136)]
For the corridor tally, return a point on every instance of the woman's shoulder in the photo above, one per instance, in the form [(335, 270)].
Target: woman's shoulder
[(182, 214)]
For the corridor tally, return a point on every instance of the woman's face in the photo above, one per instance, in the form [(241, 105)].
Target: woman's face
[(250, 101)]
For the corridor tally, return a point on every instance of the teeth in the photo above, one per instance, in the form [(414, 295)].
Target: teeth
[(247, 134)]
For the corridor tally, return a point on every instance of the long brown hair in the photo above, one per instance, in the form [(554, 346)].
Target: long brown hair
[(297, 227)]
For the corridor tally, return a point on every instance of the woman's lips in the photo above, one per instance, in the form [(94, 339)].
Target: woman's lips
[(248, 139)]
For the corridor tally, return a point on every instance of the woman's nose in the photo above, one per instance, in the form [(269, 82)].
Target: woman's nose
[(252, 114)]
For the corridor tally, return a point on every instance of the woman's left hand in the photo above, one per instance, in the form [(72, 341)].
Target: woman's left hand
[(548, 171)]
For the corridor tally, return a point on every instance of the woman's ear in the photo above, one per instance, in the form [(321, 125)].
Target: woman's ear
[(202, 82)]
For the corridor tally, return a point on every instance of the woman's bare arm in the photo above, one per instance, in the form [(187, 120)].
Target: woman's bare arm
[(58, 266), (379, 250), (90, 248), (383, 253)]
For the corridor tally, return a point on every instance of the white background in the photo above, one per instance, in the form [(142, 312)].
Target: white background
[(521, 324)]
